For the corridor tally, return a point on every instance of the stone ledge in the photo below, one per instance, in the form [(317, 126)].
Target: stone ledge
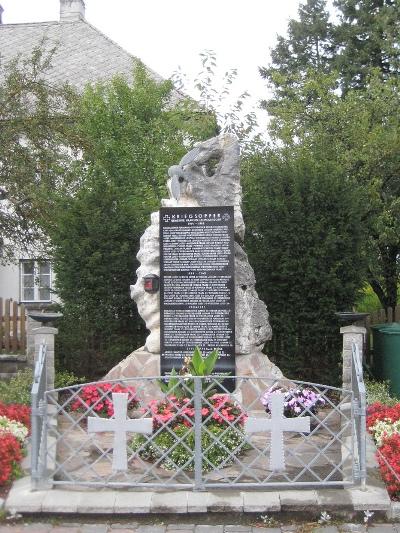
[(103, 501), (12, 357)]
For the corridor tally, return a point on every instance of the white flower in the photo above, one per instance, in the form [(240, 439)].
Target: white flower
[(384, 428), (324, 518), (17, 429)]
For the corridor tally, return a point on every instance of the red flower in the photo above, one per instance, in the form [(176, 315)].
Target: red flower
[(10, 456), (99, 398), (17, 412)]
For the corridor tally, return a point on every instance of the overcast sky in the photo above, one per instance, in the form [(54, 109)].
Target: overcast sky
[(166, 34)]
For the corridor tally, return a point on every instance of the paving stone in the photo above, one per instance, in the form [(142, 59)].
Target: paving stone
[(93, 528), (151, 529), (382, 528), (123, 530), (326, 529), (394, 512), (133, 502), (298, 500), (178, 527), (191, 530), (97, 502), (352, 527), (169, 502), (261, 502), (209, 529), (65, 529), (236, 529), (118, 525), (36, 528), (220, 501), (266, 529)]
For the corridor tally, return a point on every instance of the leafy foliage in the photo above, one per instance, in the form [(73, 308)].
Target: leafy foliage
[(378, 392), (18, 389), (336, 92), (36, 129), (221, 445), (197, 365), (132, 133), (218, 96), (304, 240)]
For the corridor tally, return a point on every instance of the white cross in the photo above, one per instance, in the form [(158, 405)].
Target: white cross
[(120, 425), (277, 424)]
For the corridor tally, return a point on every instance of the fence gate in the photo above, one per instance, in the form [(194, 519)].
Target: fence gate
[(197, 435)]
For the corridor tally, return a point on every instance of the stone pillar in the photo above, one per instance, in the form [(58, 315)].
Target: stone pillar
[(31, 325), (46, 335), (351, 334)]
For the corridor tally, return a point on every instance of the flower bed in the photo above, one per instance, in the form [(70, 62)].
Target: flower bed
[(97, 399), (383, 422), (295, 401), (14, 429), (172, 445)]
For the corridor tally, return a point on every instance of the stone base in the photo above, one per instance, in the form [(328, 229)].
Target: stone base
[(139, 363), (142, 363)]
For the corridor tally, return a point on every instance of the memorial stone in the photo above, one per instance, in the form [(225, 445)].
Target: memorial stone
[(207, 177), (197, 299)]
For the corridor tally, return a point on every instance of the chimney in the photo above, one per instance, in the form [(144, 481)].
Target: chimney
[(72, 10), (1, 14)]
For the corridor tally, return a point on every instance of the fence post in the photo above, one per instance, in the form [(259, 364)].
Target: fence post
[(351, 334), (46, 335), (198, 461)]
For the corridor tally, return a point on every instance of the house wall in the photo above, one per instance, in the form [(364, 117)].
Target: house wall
[(9, 282)]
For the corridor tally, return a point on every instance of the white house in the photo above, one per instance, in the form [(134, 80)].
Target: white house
[(83, 55)]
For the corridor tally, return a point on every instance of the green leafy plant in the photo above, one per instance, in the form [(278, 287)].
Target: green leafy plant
[(378, 392), (18, 389), (222, 435), (221, 445), (196, 365), (63, 378)]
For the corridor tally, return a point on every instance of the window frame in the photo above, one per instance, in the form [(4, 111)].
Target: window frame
[(36, 280)]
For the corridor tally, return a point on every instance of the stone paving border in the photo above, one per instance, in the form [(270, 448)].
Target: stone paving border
[(135, 527), (105, 501)]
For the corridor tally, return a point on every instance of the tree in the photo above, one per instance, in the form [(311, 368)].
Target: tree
[(304, 238), (131, 134), (348, 113), (35, 129), (367, 38)]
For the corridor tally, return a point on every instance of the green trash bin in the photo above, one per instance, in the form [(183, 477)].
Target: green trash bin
[(377, 345), (389, 341)]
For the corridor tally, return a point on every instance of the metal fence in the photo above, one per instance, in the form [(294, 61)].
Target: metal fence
[(198, 435), (39, 418), (360, 406)]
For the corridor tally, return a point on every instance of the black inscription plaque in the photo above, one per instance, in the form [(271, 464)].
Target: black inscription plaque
[(197, 290)]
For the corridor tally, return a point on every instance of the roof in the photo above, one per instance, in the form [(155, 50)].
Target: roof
[(83, 55)]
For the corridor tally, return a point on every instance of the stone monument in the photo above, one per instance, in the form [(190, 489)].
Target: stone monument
[(207, 176)]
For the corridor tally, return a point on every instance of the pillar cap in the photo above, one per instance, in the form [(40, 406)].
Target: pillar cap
[(45, 330), (353, 329)]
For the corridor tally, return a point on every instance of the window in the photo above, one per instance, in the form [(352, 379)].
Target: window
[(36, 279)]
